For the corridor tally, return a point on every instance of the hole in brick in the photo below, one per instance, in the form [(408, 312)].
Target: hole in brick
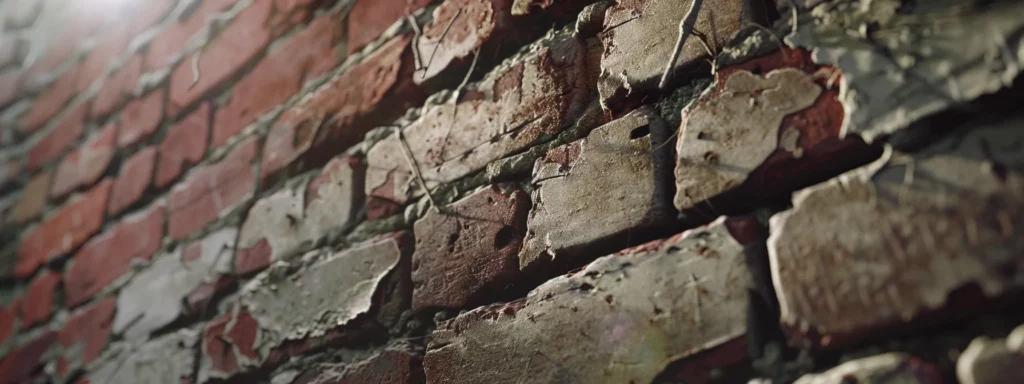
[(505, 236), (637, 133)]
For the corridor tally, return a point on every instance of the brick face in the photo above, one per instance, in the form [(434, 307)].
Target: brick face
[(131, 183), (521, 191), (212, 190), (86, 164), (71, 226), (278, 76), (66, 132), (243, 39), (334, 109), (109, 255), (183, 146)]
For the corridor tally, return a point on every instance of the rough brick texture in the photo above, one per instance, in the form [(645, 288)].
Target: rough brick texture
[(511, 191)]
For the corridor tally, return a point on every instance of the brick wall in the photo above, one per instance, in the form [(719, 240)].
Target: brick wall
[(511, 191)]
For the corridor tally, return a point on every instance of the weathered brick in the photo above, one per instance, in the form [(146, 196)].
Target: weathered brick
[(118, 88), (570, 216), (140, 119), (131, 183), (67, 131), (389, 366), (228, 345), (528, 98), (85, 335), (341, 111), (458, 28), (167, 359), (242, 39), (86, 164), (33, 197), (469, 250), (525, 7), (51, 101), (640, 36), (878, 95), (368, 19), (354, 275), (278, 76), (71, 226), (780, 132), (897, 233), (631, 316), (183, 146), (168, 46), (173, 282), (212, 190), (23, 363), (109, 256), (887, 368), (992, 361), (280, 225), (37, 304), (364, 279)]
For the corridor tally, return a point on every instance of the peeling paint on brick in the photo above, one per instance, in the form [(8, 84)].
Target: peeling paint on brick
[(892, 236), (724, 138), (634, 327), (170, 280), (168, 359), (901, 63), (569, 214), (530, 97), (300, 306)]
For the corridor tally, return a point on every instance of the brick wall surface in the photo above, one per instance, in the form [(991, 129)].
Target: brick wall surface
[(511, 191)]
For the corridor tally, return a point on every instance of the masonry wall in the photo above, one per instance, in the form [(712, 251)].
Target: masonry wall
[(511, 191)]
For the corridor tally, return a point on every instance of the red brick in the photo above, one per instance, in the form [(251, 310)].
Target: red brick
[(86, 333), (9, 86), (8, 321), (118, 87), (140, 119), (33, 198), (229, 343), (24, 363), (109, 255), (37, 305), (243, 39), (393, 366), (212, 190), (278, 76), (86, 164), (336, 106), (466, 26), (183, 146), (67, 131), (458, 259), (368, 19), (172, 41), (73, 224), (111, 42), (51, 101), (131, 183)]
